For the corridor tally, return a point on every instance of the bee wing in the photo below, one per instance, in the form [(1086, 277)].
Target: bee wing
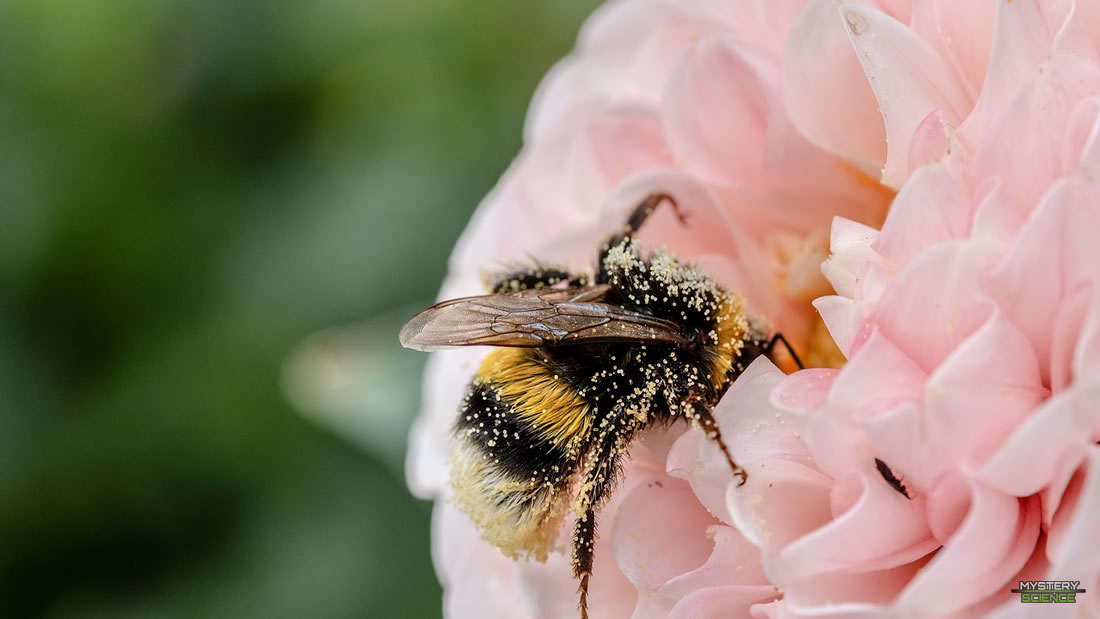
[(542, 317)]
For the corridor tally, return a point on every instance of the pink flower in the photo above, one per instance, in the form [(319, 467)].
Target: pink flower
[(970, 320)]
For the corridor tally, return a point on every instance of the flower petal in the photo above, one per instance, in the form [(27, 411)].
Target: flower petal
[(856, 541), (716, 113), (825, 90), (910, 80), (931, 208), (658, 535), (992, 544)]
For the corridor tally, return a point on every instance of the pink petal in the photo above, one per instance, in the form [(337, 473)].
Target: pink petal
[(548, 590), (931, 140), (1021, 41), (825, 90), (721, 602), (962, 32), (856, 541), (948, 500), (781, 501), (613, 145), (846, 594), (992, 544), (716, 113), (878, 377), (1075, 532), (1082, 139), (1089, 14), (804, 391), (1028, 136), (910, 80), (842, 318), (851, 252), (1049, 446), (980, 393), (657, 535), (1030, 280), (1086, 355), (733, 561), (731, 575), (935, 301), (477, 579), (625, 54), (995, 218), (900, 10), (931, 208)]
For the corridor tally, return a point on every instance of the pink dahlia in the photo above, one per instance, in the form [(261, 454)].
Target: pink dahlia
[(964, 309)]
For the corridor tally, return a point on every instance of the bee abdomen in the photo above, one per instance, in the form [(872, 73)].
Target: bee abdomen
[(510, 480)]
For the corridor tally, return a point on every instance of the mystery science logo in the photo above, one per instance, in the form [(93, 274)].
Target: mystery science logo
[(1049, 591)]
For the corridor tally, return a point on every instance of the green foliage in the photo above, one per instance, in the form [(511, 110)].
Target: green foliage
[(188, 189)]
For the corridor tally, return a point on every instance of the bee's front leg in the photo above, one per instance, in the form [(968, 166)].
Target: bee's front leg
[(699, 413), (638, 217)]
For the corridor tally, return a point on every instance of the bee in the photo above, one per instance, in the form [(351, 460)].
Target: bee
[(584, 364)]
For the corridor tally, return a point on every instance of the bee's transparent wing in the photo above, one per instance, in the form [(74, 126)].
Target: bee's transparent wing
[(541, 317)]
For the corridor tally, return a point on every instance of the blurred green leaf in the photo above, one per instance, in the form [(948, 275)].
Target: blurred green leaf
[(188, 191)]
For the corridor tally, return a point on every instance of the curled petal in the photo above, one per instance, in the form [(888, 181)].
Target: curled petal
[(982, 391), (936, 301), (781, 501), (657, 535), (842, 318), (962, 32), (716, 113), (931, 208), (825, 89), (855, 541), (851, 256), (991, 545), (1046, 449), (1075, 530), (731, 579), (909, 78)]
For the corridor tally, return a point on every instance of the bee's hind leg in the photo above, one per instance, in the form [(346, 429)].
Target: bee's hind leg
[(601, 474)]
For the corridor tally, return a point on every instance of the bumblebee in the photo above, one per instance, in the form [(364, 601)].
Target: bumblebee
[(585, 363)]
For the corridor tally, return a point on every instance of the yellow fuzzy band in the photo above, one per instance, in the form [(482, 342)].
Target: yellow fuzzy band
[(730, 329), (546, 402)]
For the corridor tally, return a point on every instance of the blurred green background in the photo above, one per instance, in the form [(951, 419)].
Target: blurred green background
[(188, 191)]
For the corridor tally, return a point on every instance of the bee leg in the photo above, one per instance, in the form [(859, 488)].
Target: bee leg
[(601, 474), (646, 207), (638, 217), (526, 278), (702, 415), (778, 337)]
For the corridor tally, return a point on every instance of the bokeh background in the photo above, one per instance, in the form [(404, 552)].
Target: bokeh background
[(214, 215)]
